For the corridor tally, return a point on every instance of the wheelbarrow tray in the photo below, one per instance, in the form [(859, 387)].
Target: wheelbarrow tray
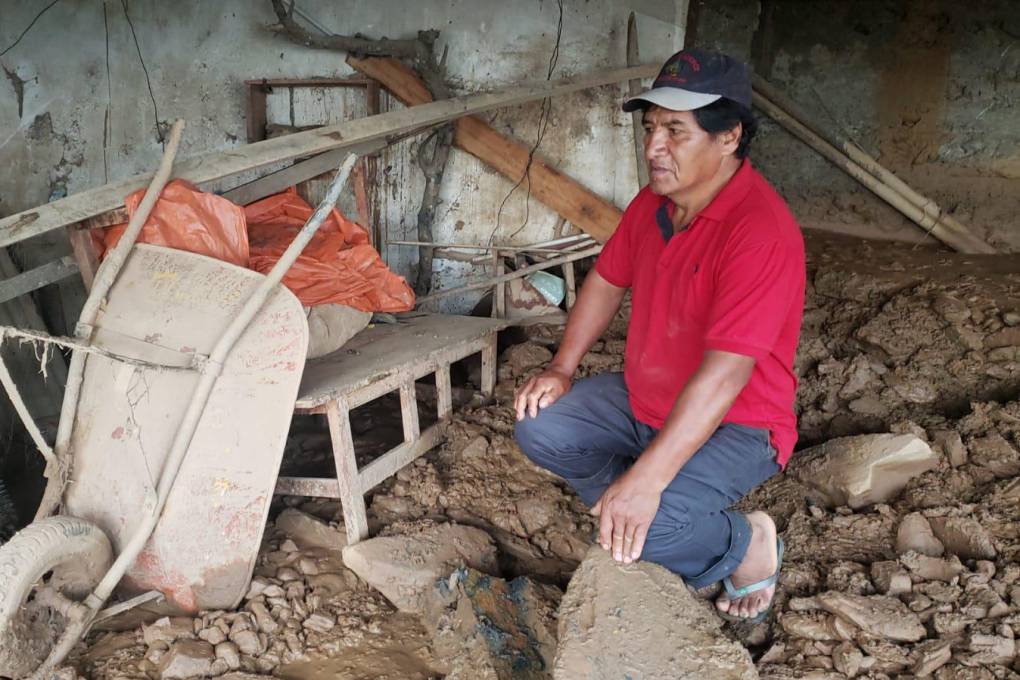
[(165, 306)]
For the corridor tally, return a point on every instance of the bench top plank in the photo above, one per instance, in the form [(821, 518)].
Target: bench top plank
[(384, 349)]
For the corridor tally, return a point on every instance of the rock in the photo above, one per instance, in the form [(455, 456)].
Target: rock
[(167, 630), (990, 649), (265, 621), (308, 531), (890, 578), (212, 635), (847, 659), (931, 656), (996, 455), (878, 615), (287, 574), (964, 537), (641, 621), (952, 445), (247, 641), (1007, 337), (932, 568), (863, 470), (498, 629), (319, 622), (915, 533), (404, 568), (187, 659), (815, 625), (526, 356), (229, 652)]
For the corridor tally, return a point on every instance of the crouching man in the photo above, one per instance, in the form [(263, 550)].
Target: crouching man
[(703, 412)]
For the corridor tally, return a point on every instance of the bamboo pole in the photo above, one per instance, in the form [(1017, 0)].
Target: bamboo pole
[(960, 240), (859, 156)]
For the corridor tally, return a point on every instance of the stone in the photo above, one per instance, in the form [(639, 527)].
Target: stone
[(847, 659), (525, 357), (404, 568), (187, 659), (990, 649), (996, 455), (167, 630), (213, 635), (263, 619), (890, 578), (641, 621), (932, 568), (229, 652), (816, 625), (964, 537), (863, 470), (499, 629), (247, 641), (877, 615), (308, 531), (915, 534), (319, 622), (287, 574), (931, 656), (952, 445)]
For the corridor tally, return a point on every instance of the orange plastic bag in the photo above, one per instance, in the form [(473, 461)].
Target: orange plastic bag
[(188, 219), (338, 266)]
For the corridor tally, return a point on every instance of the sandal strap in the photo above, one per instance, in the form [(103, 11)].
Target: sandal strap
[(735, 593)]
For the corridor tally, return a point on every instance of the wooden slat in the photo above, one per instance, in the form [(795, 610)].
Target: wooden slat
[(571, 284), (444, 392), (409, 410), (209, 167), (352, 499), (34, 279), (489, 367), (562, 194), (84, 254)]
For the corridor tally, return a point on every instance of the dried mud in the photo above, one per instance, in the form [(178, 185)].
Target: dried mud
[(927, 585)]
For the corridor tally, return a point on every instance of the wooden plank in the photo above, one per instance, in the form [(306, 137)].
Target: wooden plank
[(256, 118), (206, 168), (499, 290), (566, 196), (84, 254), (375, 358), (571, 284), (634, 86), (386, 465), (361, 196), (33, 279), (352, 499), (311, 487), (409, 410)]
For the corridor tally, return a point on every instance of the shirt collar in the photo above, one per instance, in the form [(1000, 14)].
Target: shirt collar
[(728, 198)]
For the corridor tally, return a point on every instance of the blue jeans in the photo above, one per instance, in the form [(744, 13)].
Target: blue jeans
[(589, 437)]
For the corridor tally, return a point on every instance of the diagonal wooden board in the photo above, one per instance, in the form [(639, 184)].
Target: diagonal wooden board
[(216, 165), (567, 197)]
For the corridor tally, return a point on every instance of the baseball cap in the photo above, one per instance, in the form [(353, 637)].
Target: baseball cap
[(694, 78)]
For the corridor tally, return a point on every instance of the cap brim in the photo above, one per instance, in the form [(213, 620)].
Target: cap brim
[(672, 98)]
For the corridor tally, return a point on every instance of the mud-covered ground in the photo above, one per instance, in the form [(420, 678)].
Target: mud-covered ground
[(895, 339)]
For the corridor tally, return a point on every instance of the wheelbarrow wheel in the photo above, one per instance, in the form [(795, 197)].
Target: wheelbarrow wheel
[(66, 555)]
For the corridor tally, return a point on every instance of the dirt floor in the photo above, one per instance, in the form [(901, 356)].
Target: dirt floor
[(895, 339)]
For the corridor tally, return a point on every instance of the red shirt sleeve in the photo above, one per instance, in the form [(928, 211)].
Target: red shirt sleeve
[(754, 291), (616, 261)]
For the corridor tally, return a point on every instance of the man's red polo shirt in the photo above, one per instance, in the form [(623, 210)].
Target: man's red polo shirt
[(732, 281)]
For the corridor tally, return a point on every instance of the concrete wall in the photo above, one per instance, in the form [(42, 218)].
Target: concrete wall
[(66, 124), (930, 87)]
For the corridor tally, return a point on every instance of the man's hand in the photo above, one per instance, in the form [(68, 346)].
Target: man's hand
[(626, 510), (541, 391)]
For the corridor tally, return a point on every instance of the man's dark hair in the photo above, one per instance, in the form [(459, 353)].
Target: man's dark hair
[(724, 114)]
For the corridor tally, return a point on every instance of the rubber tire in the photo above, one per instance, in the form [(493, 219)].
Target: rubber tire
[(76, 552)]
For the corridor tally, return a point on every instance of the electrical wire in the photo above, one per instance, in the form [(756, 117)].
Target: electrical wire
[(543, 125), (27, 28), (148, 83), (109, 96)]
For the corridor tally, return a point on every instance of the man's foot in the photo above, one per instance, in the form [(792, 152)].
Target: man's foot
[(760, 562)]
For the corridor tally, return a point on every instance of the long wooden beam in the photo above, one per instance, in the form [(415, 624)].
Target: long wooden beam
[(579, 205), (209, 167)]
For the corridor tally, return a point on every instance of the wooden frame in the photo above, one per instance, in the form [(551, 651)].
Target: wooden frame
[(378, 361)]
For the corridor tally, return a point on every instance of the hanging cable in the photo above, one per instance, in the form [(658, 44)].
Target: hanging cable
[(109, 97), (27, 28), (148, 83), (543, 125)]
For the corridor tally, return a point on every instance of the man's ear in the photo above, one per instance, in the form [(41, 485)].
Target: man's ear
[(730, 139)]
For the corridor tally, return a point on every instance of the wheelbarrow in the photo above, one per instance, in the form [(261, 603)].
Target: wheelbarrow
[(183, 375)]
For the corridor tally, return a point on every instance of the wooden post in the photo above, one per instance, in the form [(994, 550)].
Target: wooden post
[(256, 123), (84, 254), (634, 86), (352, 500), (568, 278), (409, 410), (444, 391), (499, 291), (489, 367)]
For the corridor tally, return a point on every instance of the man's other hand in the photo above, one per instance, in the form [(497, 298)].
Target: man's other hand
[(626, 510), (541, 391)]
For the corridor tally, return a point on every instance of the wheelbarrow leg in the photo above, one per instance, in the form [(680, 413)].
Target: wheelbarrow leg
[(352, 498)]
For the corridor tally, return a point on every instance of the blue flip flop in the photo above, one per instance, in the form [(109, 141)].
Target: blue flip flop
[(736, 593)]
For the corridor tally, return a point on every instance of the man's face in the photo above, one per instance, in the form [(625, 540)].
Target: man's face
[(679, 153)]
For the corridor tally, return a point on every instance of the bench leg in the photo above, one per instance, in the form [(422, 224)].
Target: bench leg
[(489, 366), (352, 500), (444, 391)]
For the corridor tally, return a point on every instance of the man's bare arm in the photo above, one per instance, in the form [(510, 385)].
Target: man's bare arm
[(596, 305)]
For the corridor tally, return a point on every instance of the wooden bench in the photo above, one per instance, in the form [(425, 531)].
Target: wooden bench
[(375, 362)]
